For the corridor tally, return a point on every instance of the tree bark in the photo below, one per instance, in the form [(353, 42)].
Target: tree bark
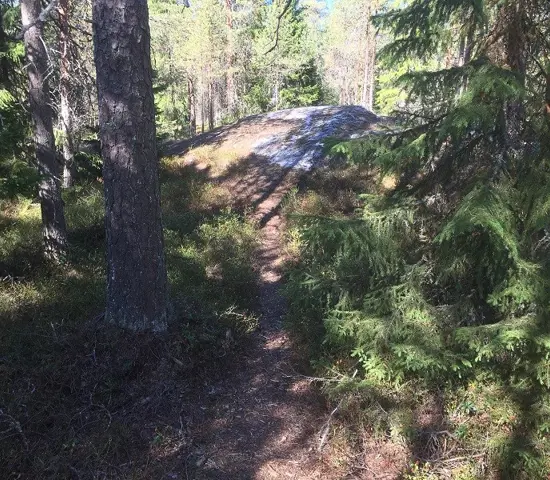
[(54, 229), (191, 107), (368, 77), (137, 293), (64, 92), (367, 94), (4, 64), (203, 111), (231, 95), (512, 17), (211, 120), (516, 53)]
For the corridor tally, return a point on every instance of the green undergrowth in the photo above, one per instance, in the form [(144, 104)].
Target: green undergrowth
[(405, 302), (65, 376)]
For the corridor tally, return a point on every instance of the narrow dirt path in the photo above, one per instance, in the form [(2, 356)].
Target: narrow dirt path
[(264, 417)]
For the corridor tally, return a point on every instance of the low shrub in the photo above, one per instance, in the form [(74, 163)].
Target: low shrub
[(399, 294)]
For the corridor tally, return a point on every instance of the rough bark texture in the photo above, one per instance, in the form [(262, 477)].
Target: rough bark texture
[(137, 296), (66, 118), (49, 190)]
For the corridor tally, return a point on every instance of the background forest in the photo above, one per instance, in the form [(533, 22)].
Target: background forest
[(214, 62), (417, 269)]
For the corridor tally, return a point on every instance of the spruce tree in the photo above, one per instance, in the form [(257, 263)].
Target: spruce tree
[(474, 99)]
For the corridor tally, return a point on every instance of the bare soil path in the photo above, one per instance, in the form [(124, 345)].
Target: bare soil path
[(261, 419), (265, 416)]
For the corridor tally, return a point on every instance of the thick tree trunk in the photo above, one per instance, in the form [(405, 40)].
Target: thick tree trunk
[(64, 92), (49, 190), (137, 295)]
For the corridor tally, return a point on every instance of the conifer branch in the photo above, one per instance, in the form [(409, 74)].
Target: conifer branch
[(279, 20)]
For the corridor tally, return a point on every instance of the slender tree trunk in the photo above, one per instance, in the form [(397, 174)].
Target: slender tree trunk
[(465, 55), (516, 52), (367, 98), (210, 106), (203, 110), (277, 92), (191, 108), (64, 92), (172, 76), (366, 59), (230, 76), (547, 102), (137, 295), (365, 80), (49, 190), (4, 64)]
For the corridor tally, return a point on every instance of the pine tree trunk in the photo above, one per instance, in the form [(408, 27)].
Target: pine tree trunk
[(367, 97), (230, 76), (137, 295), (210, 107), (191, 108), (64, 91), (465, 55), (203, 111), (54, 229)]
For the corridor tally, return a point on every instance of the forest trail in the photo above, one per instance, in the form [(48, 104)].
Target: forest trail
[(261, 419), (266, 416)]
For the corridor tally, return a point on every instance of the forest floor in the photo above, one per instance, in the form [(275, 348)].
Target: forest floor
[(226, 394)]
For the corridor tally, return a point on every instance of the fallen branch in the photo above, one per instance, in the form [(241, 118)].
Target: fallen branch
[(323, 433), (326, 428)]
